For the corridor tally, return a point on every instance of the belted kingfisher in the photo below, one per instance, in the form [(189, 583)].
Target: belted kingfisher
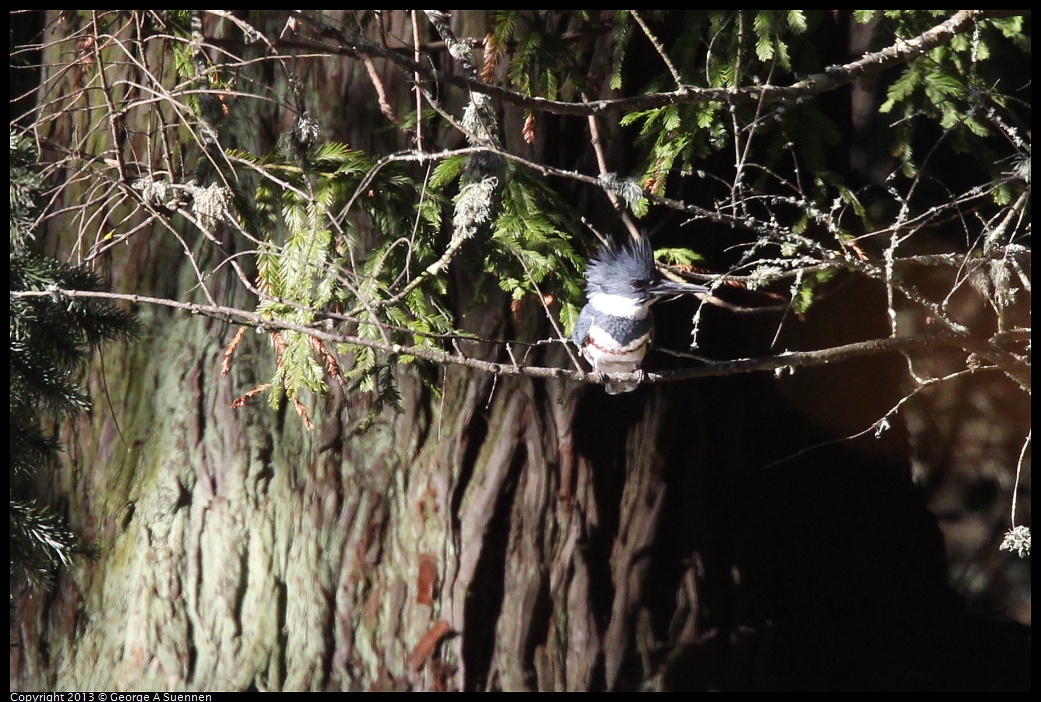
[(615, 327)]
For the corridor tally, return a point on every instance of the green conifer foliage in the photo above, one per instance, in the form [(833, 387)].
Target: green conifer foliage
[(51, 337)]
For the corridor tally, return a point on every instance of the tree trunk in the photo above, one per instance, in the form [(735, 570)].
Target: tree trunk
[(440, 548), (512, 534)]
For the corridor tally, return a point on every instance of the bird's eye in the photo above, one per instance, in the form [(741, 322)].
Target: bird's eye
[(639, 285)]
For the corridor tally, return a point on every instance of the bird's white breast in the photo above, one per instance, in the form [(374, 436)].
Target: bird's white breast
[(607, 357)]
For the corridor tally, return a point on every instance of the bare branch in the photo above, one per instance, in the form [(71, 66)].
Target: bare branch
[(790, 360), (835, 77)]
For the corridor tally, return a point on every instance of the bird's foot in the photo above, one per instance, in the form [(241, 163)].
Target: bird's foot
[(629, 382)]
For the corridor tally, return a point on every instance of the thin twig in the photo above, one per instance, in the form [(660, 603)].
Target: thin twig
[(659, 48)]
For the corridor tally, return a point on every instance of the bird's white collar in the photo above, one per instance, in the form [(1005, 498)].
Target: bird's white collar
[(619, 306)]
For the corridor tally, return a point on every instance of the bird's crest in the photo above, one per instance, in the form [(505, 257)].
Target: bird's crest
[(635, 258)]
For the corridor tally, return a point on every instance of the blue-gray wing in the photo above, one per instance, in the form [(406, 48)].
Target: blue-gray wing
[(582, 326)]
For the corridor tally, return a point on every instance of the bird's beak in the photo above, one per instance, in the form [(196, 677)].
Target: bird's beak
[(669, 288)]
